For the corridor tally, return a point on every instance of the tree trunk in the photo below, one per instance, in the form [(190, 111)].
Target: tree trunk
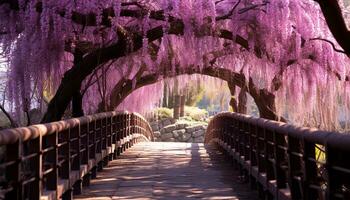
[(77, 98), (265, 101), (77, 105), (177, 105), (242, 100), (336, 23), (233, 101), (74, 77), (182, 105)]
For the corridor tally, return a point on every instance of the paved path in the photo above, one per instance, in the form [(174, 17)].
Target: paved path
[(168, 171)]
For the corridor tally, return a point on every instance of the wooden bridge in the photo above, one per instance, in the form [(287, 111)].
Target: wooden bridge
[(112, 156)]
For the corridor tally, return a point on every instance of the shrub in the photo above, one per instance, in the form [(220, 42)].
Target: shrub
[(164, 113), (196, 113)]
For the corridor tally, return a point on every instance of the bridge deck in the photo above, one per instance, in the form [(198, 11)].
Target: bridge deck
[(168, 171)]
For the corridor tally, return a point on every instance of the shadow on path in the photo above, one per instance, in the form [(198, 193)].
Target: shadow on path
[(169, 171)]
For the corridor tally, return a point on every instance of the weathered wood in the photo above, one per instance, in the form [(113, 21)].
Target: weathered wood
[(52, 161), (156, 170), (286, 162)]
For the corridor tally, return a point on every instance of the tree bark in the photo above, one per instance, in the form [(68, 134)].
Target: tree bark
[(77, 98), (336, 23), (74, 77), (77, 104), (242, 100), (233, 101), (265, 101)]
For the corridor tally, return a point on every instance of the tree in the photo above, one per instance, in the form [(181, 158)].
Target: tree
[(275, 47)]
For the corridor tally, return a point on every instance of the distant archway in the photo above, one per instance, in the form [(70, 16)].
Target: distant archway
[(264, 100)]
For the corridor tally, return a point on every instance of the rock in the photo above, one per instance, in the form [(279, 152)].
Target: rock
[(160, 126), (179, 133), (166, 122), (157, 134), (162, 131), (190, 129), (199, 139), (175, 134), (198, 127), (166, 136), (155, 126), (185, 137), (180, 126), (198, 133), (169, 128)]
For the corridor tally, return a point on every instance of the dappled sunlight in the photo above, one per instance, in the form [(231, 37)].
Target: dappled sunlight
[(168, 171)]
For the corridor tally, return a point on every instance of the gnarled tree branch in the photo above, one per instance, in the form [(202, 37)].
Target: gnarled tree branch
[(336, 23)]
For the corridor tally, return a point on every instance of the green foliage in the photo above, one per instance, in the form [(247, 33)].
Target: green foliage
[(164, 113), (196, 113), (194, 94)]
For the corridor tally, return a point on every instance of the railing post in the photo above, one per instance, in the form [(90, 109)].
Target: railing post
[(51, 161), (124, 128), (92, 148), (37, 167), (281, 166), (119, 132), (104, 135), (295, 173), (253, 154), (14, 171), (114, 127), (310, 170), (99, 144), (128, 130), (98, 135), (109, 137), (75, 156), (337, 151), (64, 152), (84, 141)]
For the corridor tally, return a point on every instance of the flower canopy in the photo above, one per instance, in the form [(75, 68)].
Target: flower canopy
[(288, 49)]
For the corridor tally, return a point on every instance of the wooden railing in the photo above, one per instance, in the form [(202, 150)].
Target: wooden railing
[(283, 161), (54, 161)]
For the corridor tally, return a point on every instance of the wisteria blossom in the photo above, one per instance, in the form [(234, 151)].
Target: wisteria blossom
[(106, 49)]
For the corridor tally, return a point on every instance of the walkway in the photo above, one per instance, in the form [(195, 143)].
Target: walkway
[(168, 171)]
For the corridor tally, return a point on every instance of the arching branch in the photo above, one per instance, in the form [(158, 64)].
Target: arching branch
[(263, 99), (331, 43), (230, 13), (73, 78), (336, 23)]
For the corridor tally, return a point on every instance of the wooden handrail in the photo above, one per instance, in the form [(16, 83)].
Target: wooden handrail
[(54, 160), (284, 161)]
